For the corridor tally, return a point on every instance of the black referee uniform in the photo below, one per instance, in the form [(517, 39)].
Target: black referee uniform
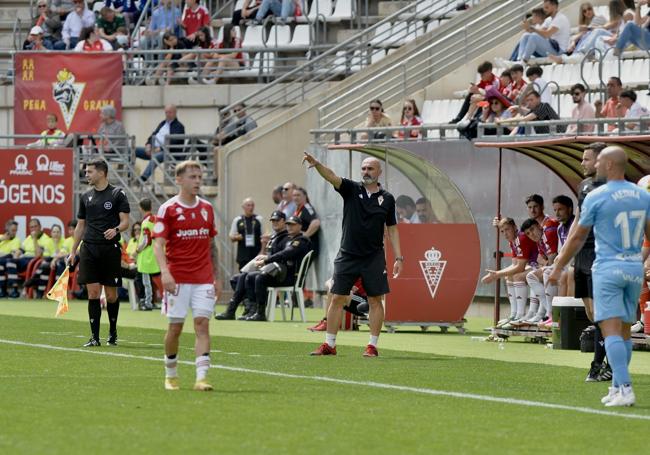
[(584, 259), (100, 259), (362, 244)]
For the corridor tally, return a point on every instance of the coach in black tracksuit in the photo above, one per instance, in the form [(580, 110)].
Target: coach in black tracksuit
[(288, 260), (103, 214)]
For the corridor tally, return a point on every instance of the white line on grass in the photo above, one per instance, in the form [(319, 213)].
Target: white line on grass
[(378, 385)]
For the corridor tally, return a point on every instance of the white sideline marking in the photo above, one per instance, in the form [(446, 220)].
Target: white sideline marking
[(378, 385)]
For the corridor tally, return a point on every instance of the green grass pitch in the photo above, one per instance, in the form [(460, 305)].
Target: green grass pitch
[(426, 393)]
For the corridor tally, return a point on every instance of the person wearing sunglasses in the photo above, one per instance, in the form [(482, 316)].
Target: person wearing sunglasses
[(286, 205), (582, 110), (376, 118), (410, 117)]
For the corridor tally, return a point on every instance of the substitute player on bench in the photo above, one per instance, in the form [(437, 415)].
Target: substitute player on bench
[(187, 255)]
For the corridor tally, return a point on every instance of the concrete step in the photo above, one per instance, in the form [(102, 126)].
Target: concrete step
[(12, 12), (388, 8)]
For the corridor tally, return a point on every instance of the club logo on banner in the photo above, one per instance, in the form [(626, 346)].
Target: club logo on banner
[(432, 269), (73, 86)]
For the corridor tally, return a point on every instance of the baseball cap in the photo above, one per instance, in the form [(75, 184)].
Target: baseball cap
[(293, 220), (36, 30), (278, 215)]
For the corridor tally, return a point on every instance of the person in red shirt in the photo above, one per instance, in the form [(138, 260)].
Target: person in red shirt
[(89, 41), (187, 256), (410, 117), (222, 60), (524, 255), (477, 93), (609, 110), (195, 17)]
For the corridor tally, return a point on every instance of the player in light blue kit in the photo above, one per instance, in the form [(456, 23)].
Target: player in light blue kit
[(618, 212)]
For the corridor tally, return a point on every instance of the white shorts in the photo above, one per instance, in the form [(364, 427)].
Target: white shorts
[(200, 298)]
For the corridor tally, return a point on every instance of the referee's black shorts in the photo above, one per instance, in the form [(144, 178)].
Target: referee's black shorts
[(372, 270), (582, 273), (100, 263)]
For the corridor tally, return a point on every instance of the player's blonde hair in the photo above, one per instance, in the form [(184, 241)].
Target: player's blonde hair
[(184, 166), (506, 221)]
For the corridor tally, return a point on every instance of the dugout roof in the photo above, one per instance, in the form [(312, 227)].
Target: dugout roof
[(563, 155)]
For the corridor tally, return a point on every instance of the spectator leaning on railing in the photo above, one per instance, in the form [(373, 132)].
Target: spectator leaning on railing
[(611, 109), (410, 117), (536, 110), (376, 118), (110, 126), (49, 22), (52, 136), (582, 110)]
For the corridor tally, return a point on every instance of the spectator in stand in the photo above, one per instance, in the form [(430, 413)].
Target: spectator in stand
[(222, 61), (425, 212), (600, 38), (308, 218), (223, 133), (581, 111), (62, 8), (504, 80), (202, 40), (109, 128), (477, 93), (49, 22), (9, 247), (494, 110), (165, 22), (410, 117), (195, 17), (156, 143), (287, 206), (35, 42), (281, 9), (53, 251), (376, 118), (248, 11), (587, 21), (171, 62), (536, 110), (405, 208), (89, 41), (111, 27), (552, 38), (276, 194), (628, 107), (80, 18), (52, 136), (518, 84), (534, 75), (32, 247), (535, 19), (610, 109), (635, 32), (243, 122), (246, 232)]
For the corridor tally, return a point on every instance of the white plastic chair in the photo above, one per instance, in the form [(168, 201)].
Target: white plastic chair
[(97, 7), (279, 35), (300, 38), (342, 11), (320, 9), (382, 35), (254, 36), (289, 292), (129, 284)]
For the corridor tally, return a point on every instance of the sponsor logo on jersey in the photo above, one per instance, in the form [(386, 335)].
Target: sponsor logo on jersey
[(108, 205), (189, 233), (159, 227), (204, 214)]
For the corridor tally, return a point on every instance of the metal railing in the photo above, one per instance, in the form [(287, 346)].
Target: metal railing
[(350, 56), (487, 132)]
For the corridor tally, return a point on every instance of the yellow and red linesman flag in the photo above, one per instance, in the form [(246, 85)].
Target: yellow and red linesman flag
[(59, 292)]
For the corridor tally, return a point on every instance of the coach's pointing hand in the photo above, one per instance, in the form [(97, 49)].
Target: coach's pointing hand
[(310, 160)]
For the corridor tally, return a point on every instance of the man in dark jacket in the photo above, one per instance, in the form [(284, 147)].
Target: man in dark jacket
[(276, 244), (287, 263), (155, 146)]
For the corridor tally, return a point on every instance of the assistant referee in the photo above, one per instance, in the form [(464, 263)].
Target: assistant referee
[(367, 208), (103, 214)]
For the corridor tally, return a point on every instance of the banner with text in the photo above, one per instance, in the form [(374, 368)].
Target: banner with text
[(73, 86), (37, 184)]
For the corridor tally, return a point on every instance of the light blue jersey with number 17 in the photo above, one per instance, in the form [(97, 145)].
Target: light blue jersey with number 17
[(617, 211)]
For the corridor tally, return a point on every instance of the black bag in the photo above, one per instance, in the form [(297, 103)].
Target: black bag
[(275, 271), (587, 339)]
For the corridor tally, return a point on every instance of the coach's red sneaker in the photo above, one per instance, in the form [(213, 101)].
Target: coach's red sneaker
[(324, 349), (371, 351), (320, 327)]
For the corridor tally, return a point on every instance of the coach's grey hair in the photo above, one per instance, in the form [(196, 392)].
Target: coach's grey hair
[(109, 111)]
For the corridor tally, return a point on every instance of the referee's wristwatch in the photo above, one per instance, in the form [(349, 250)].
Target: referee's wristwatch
[(117, 231), (400, 258)]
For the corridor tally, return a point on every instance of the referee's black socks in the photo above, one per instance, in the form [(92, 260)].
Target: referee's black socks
[(113, 309), (599, 346), (94, 316)]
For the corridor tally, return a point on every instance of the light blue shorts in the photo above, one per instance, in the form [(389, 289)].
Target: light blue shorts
[(616, 291)]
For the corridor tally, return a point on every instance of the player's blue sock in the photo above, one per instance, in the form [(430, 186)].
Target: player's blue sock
[(628, 346), (617, 355)]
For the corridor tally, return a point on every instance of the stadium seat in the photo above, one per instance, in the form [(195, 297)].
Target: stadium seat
[(320, 10), (279, 35), (220, 33), (377, 55), (342, 11), (301, 37), (289, 292), (254, 36), (415, 29), (427, 111), (382, 32), (97, 7)]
